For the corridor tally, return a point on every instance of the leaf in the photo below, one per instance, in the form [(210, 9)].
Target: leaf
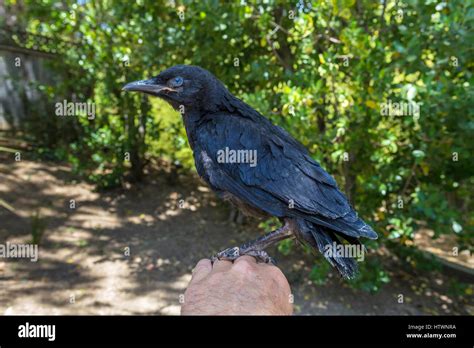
[(418, 153), (321, 59), (457, 228), (371, 104)]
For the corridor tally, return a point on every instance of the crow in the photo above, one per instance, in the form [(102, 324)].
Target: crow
[(260, 168)]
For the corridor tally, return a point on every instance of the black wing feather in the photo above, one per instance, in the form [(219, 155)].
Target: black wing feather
[(284, 173)]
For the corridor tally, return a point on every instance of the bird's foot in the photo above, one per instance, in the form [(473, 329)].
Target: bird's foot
[(229, 254), (256, 247), (232, 254), (261, 256)]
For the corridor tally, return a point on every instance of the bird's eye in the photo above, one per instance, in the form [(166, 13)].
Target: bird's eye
[(176, 82)]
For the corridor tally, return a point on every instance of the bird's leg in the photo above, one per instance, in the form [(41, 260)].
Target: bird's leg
[(256, 247), (232, 215), (236, 216)]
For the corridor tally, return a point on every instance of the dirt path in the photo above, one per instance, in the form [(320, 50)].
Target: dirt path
[(85, 268)]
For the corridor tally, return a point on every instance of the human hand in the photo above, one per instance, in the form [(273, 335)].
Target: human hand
[(242, 287)]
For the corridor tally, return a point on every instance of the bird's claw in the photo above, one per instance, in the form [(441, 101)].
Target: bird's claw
[(229, 254), (232, 254), (261, 256)]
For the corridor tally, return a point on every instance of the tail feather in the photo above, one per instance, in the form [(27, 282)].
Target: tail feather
[(326, 241)]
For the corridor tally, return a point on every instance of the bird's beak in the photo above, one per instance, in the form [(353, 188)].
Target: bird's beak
[(146, 86)]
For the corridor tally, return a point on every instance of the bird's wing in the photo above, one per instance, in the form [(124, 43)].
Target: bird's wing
[(285, 180)]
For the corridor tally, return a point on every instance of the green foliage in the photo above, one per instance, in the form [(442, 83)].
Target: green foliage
[(457, 288), (166, 135), (323, 70), (285, 246), (372, 276), (320, 271)]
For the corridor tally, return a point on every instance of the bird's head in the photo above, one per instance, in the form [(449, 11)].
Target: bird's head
[(183, 85)]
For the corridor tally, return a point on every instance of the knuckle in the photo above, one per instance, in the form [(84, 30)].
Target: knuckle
[(244, 266), (202, 262)]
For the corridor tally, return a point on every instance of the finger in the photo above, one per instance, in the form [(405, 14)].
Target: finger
[(202, 269), (221, 265), (246, 258)]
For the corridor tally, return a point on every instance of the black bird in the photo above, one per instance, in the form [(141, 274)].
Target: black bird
[(282, 181)]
